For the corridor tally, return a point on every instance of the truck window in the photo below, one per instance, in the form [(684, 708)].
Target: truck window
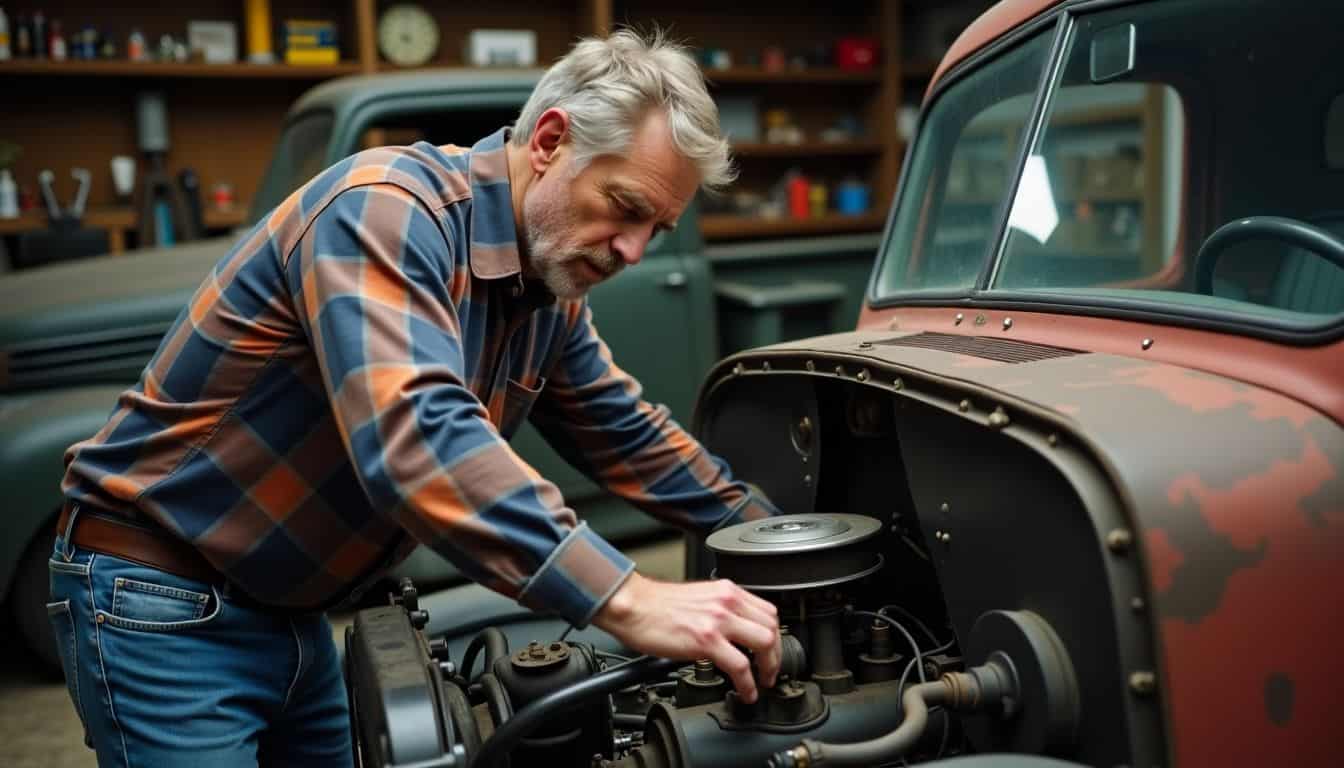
[(960, 173), (1099, 201)]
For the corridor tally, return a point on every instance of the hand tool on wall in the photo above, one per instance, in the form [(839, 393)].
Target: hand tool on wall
[(65, 236)]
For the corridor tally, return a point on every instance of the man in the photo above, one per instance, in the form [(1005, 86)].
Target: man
[(350, 374)]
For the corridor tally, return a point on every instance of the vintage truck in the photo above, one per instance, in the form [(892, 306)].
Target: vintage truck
[(1072, 493), (74, 335)]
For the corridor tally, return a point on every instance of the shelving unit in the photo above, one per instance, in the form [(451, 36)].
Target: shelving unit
[(791, 76), (807, 149), (153, 69), (225, 118)]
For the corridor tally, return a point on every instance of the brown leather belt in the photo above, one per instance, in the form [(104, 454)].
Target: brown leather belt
[(108, 534)]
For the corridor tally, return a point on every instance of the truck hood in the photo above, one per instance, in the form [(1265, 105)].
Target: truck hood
[(1230, 496), (96, 319)]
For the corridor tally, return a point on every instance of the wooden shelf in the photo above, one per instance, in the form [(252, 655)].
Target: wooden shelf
[(217, 219), (107, 217), (817, 75), (118, 220), (728, 226), (808, 148), (172, 69)]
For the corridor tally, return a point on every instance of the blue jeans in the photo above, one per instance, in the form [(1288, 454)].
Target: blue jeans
[(164, 671)]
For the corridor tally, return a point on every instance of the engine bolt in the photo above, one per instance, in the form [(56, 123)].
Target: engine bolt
[(1137, 605), (863, 375), (1147, 344), (865, 345), (811, 366), (958, 319), (964, 406), (1007, 323), (704, 670), (897, 384)]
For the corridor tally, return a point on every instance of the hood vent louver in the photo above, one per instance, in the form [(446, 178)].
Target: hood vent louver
[(100, 356), (1002, 350)]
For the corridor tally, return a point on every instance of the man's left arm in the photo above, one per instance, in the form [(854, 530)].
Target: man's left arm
[(593, 413)]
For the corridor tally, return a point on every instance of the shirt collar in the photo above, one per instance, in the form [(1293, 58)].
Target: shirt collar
[(494, 239)]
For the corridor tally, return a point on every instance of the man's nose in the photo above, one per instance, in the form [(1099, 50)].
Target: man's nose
[(630, 244)]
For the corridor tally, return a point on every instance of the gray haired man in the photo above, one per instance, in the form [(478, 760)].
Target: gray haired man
[(344, 385)]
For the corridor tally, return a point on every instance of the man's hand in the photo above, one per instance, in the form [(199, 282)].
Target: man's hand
[(697, 620)]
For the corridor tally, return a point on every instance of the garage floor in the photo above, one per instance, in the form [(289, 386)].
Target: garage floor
[(38, 726)]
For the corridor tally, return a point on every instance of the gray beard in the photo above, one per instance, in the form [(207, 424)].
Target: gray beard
[(557, 268)]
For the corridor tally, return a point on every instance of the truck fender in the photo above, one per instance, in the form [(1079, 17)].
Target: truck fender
[(35, 431)]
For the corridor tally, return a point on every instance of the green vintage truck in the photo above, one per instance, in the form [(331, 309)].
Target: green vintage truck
[(74, 335)]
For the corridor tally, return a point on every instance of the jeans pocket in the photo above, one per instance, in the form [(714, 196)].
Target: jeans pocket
[(518, 401), (150, 607), (63, 628)]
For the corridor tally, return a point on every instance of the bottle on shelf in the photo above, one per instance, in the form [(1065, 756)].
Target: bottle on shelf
[(9, 196), (56, 42), (23, 37), (135, 46), (5, 53), (39, 35)]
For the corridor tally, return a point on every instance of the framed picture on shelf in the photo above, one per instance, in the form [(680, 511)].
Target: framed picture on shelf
[(216, 41)]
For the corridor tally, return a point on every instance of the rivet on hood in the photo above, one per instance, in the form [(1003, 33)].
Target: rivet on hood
[(1118, 540)]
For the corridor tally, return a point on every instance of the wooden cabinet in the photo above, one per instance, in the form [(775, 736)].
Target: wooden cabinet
[(224, 119)]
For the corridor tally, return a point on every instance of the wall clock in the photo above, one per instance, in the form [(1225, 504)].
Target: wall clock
[(408, 36)]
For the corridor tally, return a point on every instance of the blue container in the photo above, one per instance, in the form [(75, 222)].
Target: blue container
[(852, 198)]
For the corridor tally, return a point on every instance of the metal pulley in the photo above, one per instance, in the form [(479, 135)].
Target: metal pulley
[(791, 552)]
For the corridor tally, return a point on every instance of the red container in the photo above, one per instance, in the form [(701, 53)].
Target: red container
[(799, 205), (856, 53)]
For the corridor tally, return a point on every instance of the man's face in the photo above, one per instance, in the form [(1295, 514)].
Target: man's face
[(581, 229)]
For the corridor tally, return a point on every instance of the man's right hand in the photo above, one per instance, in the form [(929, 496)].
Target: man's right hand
[(697, 620)]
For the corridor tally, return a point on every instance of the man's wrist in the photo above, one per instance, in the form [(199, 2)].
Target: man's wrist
[(620, 606)]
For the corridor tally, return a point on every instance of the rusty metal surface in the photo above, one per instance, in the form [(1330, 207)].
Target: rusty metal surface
[(1312, 375), (990, 26), (1236, 494)]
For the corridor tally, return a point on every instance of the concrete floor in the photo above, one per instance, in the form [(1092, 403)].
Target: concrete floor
[(38, 725)]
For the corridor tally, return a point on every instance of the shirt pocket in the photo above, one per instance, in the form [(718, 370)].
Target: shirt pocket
[(518, 401)]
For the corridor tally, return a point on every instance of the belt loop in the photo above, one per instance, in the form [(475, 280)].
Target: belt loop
[(67, 547)]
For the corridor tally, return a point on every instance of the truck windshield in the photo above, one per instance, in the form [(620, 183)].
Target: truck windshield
[(1182, 166)]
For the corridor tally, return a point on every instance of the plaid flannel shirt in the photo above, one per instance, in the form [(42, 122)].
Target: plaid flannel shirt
[(353, 369)]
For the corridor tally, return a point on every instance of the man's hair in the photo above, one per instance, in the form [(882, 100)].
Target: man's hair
[(608, 85)]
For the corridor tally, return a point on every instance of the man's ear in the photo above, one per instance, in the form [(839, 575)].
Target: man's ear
[(550, 133)]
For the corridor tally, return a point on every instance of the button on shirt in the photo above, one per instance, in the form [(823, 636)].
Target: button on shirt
[(353, 369)]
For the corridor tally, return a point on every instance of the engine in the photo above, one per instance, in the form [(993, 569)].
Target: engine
[(854, 673)]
